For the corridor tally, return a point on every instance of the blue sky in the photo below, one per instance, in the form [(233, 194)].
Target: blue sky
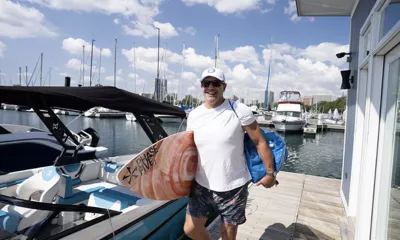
[(303, 48)]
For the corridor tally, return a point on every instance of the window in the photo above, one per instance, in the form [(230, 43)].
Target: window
[(366, 46), (390, 17)]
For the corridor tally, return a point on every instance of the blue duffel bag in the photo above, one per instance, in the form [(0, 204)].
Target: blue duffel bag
[(254, 161)]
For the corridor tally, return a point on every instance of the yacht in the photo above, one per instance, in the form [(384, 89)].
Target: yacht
[(288, 116), (83, 199)]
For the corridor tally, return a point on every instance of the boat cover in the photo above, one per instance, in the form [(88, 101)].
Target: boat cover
[(85, 98)]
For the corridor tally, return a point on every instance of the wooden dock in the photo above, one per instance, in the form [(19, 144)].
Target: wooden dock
[(300, 207), (320, 127)]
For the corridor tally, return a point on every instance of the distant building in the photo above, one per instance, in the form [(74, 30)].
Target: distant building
[(254, 102), (321, 97), (307, 100), (271, 96), (241, 100)]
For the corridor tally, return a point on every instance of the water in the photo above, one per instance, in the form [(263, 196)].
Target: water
[(320, 156)]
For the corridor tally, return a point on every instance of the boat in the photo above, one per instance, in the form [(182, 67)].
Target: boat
[(288, 116), (130, 117), (34, 147), (101, 112), (74, 199)]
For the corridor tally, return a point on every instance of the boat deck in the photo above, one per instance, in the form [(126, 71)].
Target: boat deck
[(300, 207)]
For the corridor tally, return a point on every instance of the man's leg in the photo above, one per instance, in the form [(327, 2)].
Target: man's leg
[(198, 208), (232, 208), (195, 228), (228, 231)]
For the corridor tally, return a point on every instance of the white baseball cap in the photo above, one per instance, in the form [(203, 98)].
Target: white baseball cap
[(213, 72)]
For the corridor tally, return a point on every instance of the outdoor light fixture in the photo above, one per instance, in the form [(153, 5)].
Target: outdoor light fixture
[(346, 79), (342, 54)]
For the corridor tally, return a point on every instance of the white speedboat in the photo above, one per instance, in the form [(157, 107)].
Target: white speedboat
[(130, 117), (288, 116), (74, 199), (102, 112)]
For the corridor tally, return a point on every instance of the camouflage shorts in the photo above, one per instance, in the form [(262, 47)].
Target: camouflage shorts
[(230, 205)]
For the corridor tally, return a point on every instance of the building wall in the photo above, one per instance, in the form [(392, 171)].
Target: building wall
[(360, 15), (307, 100)]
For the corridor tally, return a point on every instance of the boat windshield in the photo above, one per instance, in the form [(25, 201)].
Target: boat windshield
[(289, 96), (289, 114), (59, 220)]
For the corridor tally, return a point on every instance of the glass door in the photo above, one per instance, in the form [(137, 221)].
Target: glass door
[(387, 191)]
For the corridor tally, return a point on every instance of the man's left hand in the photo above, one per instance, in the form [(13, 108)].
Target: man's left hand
[(267, 181)]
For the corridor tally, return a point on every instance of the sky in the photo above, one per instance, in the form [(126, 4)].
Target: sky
[(249, 32)]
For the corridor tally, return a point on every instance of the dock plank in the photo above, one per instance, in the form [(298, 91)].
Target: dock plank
[(300, 207)]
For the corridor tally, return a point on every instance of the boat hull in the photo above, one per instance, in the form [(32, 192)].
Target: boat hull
[(288, 126)]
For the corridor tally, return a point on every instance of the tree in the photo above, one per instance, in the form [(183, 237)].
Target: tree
[(189, 100)]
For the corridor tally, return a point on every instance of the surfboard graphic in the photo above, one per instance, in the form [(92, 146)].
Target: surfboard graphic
[(163, 171)]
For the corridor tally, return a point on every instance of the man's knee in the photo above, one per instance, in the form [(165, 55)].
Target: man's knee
[(189, 228), (194, 227)]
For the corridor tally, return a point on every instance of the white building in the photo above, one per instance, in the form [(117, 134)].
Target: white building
[(371, 160), (316, 98)]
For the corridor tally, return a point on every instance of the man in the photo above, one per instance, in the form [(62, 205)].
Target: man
[(222, 175)]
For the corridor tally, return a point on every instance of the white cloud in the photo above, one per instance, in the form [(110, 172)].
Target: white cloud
[(2, 49), (76, 64), (142, 10), (230, 7), (291, 10), (310, 70), (189, 30), (116, 21), (19, 21), (74, 46), (117, 78), (146, 58), (196, 61), (150, 30)]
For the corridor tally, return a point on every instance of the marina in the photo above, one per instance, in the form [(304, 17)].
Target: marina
[(122, 137)]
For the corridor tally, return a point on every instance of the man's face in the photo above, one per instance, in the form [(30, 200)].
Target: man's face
[(213, 89)]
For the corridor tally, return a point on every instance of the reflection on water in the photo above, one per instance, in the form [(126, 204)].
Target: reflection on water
[(320, 156)]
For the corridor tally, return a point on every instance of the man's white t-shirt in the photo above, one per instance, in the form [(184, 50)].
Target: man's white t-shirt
[(218, 136)]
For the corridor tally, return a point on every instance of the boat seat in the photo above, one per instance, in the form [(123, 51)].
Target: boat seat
[(116, 198), (109, 171), (41, 187), (78, 181)]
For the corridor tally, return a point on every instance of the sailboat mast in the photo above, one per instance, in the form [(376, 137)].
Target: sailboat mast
[(134, 63), (83, 66), (26, 75), (101, 49), (180, 78), (91, 63), (20, 76), (267, 90), (41, 68), (216, 50), (115, 62)]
